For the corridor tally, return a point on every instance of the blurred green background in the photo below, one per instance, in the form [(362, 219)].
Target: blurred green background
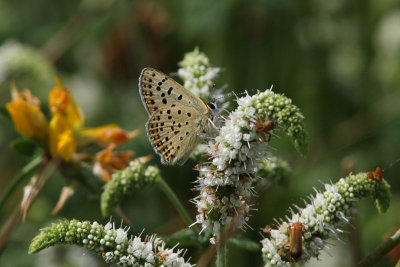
[(338, 60)]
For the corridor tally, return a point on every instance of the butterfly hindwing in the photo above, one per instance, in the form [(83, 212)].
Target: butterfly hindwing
[(174, 134)]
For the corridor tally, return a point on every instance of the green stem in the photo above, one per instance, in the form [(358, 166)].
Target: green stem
[(381, 250), (47, 169), (25, 172), (175, 201), (221, 252)]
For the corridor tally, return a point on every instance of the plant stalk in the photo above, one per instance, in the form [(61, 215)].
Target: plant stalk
[(221, 260), (37, 183), (381, 250), (25, 172), (175, 201)]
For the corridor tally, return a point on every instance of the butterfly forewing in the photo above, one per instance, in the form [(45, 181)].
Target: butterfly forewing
[(177, 116), (157, 90)]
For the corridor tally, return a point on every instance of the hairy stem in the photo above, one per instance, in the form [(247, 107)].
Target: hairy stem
[(381, 250), (221, 260)]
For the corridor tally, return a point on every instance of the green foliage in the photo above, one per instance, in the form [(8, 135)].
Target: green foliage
[(244, 243), (24, 146), (382, 197), (26, 65), (5, 116), (187, 237)]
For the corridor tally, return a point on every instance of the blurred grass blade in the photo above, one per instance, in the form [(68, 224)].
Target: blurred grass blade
[(244, 243), (25, 172)]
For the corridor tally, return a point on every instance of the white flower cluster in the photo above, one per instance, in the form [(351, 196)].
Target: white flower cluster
[(316, 220), (322, 218), (238, 147), (149, 252), (197, 73), (225, 185), (111, 243)]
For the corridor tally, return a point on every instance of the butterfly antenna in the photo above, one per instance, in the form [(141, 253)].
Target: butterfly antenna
[(230, 95), (391, 164)]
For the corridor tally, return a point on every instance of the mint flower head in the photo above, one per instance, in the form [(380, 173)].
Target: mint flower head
[(196, 72), (323, 218), (226, 184), (273, 169), (123, 182), (110, 243)]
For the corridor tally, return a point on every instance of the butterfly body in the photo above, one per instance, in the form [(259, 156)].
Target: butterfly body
[(177, 117)]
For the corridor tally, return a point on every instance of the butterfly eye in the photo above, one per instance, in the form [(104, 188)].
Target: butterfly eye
[(212, 105)]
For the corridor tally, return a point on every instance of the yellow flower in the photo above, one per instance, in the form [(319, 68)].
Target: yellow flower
[(25, 112), (107, 134), (62, 139), (66, 128), (66, 117), (61, 102)]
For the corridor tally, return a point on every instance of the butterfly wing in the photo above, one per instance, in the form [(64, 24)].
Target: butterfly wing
[(158, 90), (174, 135), (177, 116)]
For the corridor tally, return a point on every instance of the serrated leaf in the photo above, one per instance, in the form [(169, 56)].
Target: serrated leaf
[(382, 197)]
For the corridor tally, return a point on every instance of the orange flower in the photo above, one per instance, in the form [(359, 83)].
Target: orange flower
[(107, 161), (26, 114), (61, 102), (107, 134), (62, 139)]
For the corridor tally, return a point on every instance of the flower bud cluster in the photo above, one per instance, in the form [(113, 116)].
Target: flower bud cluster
[(123, 182), (323, 218), (109, 242)]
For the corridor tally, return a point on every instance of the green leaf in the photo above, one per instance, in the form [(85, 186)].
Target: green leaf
[(185, 237), (188, 237), (4, 115), (23, 146), (244, 243), (382, 196)]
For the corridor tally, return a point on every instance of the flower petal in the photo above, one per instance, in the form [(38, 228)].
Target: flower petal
[(25, 112), (62, 139), (107, 134), (107, 161), (60, 101)]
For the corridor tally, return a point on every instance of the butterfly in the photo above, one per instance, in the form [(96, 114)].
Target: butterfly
[(177, 117)]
